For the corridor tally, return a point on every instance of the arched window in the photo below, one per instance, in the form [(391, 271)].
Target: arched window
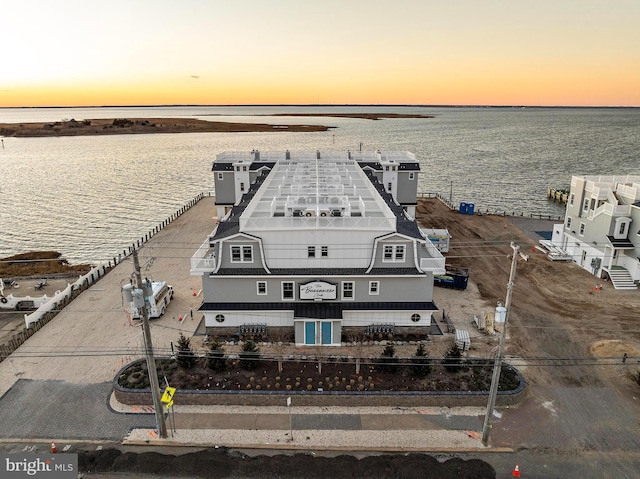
[(415, 318), (220, 318)]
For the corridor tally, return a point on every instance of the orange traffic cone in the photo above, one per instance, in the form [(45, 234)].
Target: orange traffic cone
[(516, 472), (54, 449)]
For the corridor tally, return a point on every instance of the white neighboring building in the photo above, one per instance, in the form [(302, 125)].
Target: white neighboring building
[(317, 245), (601, 230)]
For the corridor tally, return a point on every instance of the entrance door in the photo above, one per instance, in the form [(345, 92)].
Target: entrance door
[(326, 332), (310, 332)]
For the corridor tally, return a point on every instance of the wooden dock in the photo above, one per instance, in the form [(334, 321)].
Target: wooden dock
[(557, 195)]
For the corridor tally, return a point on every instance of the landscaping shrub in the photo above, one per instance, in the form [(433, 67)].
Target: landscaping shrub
[(216, 359), (185, 356), (453, 361), (250, 355), (388, 362), (421, 362)]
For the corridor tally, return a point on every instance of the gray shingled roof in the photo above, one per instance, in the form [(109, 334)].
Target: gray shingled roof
[(404, 225), (320, 309), (319, 272), (222, 166)]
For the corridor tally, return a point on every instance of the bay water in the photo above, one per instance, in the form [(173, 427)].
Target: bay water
[(90, 197)]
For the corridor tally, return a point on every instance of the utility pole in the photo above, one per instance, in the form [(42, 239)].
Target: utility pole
[(151, 362), (495, 380)]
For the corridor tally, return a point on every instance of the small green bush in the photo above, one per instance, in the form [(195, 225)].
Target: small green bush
[(250, 356), (185, 357), (421, 362)]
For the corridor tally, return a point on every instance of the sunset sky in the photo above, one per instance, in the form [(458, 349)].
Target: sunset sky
[(436, 52)]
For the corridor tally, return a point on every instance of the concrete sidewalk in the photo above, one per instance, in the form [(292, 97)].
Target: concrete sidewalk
[(320, 428)]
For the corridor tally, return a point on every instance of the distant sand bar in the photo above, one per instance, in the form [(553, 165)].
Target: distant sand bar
[(169, 125)]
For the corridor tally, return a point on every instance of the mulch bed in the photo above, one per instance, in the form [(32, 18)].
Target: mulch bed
[(311, 375)]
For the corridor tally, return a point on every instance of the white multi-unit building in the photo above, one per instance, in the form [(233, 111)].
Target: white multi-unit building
[(601, 230), (320, 245)]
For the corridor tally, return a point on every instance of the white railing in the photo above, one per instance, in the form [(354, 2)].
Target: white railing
[(53, 303), (203, 259), (610, 210), (630, 193), (434, 264), (288, 223)]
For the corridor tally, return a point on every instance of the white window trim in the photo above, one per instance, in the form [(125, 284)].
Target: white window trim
[(242, 253), (220, 176), (258, 283), (293, 290), (568, 226), (324, 251), (353, 290), (377, 288), (394, 252), (583, 226), (411, 176), (311, 251), (622, 230)]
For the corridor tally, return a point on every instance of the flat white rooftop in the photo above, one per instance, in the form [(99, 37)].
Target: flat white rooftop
[(316, 190)]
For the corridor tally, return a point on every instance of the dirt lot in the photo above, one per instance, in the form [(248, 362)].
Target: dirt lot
[(556, 312)]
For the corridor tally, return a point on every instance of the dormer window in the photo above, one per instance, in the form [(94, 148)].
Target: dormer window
[(242, 254), (393, 253)]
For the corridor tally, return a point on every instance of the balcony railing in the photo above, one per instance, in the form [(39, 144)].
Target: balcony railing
[(436, 262), (203, 260)]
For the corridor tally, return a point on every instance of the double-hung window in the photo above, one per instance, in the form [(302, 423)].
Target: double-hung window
[(287, 290), (347, 290), (262, 288), (374, 287), (242, 254), (393, 253)]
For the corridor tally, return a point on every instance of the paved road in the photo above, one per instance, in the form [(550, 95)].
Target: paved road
[(60, 410), (557, 432)]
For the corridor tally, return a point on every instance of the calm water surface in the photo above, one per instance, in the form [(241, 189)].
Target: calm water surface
[(91, 197)]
